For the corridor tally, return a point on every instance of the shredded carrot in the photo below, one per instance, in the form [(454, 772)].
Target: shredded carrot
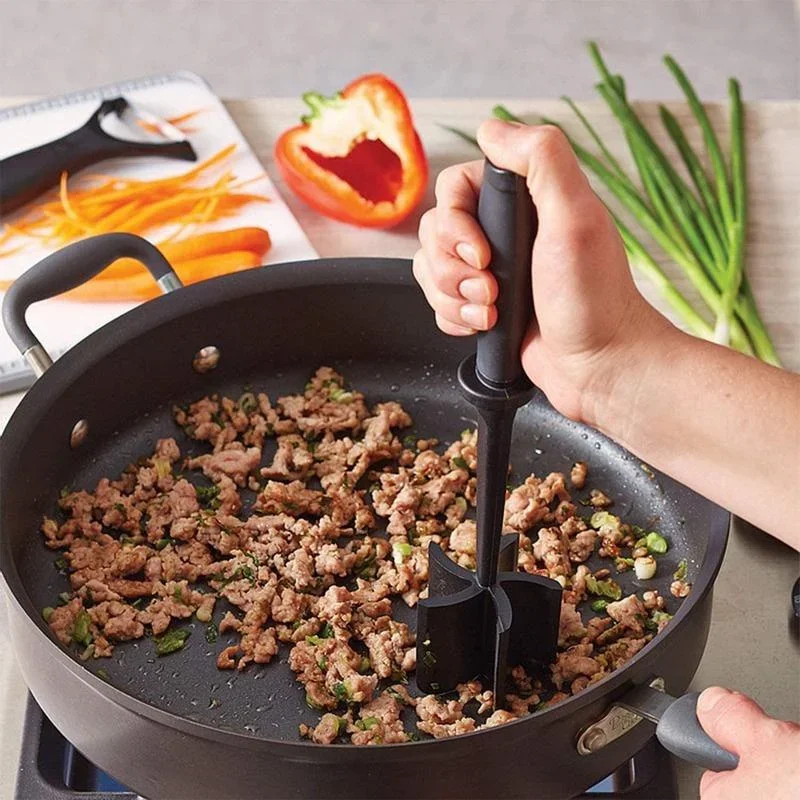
[(178, 121), (104, 203)]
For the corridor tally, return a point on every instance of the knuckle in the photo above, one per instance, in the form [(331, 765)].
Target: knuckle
[(550, 139), (445, 180), (427, 223)]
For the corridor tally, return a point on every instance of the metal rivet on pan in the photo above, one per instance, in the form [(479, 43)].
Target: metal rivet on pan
[(79, 433), (206, 359)]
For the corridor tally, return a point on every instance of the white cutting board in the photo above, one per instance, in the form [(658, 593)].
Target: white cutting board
[(61, 323)]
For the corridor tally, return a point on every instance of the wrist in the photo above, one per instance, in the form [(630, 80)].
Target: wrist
[(633, 371)]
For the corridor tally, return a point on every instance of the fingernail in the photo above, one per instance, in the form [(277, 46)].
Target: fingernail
[(710, 697), (473, 289), (466, 252), (474, 316)]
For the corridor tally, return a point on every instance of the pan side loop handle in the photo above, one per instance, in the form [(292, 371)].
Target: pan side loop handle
[(509, 220), (64, 270), (678, 728)]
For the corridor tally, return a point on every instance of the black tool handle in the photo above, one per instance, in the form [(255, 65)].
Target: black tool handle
[(70, 267), (508, 218), (26, 175)]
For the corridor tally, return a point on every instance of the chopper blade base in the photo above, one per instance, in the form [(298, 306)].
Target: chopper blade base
[(467, 631)]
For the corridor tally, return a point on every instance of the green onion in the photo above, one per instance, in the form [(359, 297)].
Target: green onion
[(599, 605), (47, 612), (461, 134), (208, 496), (171, 641), (211, 632), (81, 633), (603, 518), (457, 462), (367, 723), (605, 588), (682, 570), (326, 631), (656, 543), (702, 227), (401, 551), (341, 692), (61, 563)]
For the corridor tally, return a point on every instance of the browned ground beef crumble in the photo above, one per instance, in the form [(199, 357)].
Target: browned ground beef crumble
[(312, 571)]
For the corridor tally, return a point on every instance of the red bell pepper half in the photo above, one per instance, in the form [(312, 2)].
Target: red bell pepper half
[(356, 157)]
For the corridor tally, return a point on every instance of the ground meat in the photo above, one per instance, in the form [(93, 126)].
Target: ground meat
[(577, 660), (233, 462), (308, 573), (577, 475), (680, 588), (570, 624)]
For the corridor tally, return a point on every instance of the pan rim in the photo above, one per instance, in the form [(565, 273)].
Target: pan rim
[(289, 275)]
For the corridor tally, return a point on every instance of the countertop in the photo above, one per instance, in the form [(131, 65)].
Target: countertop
[(749, 647)]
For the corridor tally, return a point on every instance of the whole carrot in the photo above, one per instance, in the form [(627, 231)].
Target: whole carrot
[(141, 286), (255, 240)]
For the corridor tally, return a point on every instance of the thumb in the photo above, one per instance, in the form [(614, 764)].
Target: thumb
[(732, 720), (543, 155)]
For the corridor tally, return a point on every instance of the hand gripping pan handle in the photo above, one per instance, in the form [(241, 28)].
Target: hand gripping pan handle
[(508, 218)]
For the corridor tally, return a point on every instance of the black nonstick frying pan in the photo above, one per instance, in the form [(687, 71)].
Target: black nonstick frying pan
[(178, 727)]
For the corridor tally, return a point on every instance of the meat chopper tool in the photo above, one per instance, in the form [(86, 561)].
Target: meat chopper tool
[(24, 176), (477, 624)]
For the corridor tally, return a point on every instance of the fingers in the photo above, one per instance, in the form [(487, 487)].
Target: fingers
[(457, 231), (455, 314), (732, 720)]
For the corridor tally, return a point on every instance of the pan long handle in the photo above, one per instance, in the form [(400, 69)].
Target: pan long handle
[(66, 269)]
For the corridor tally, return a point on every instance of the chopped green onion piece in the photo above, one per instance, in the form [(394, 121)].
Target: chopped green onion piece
[(47, 612), (645, 568), (656, 543), (459, 463), (367, 723), (326, 632), (339, 395), (211, 632), (61, 563), (401, 551), (171, 641), (603, 518), (605, 588), (81, 633), (341, 692), (599, 605), (64, 598), (410, 442), (683, 568)]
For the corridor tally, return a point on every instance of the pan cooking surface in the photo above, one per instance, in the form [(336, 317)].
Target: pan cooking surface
[(266, 701)]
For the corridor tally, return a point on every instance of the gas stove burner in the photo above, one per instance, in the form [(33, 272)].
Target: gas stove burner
[(52, 769)]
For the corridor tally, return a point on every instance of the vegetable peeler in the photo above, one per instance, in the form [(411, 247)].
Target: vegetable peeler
[(478, 624), (27, 175)]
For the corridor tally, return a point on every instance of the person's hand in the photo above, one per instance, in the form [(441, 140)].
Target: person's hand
[(592, 321), (768, 749)]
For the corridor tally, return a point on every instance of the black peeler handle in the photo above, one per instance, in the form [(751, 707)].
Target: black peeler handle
[(508, 218), (27, 175)]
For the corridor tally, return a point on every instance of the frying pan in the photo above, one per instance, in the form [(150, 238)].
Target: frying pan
[(176, 726)]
